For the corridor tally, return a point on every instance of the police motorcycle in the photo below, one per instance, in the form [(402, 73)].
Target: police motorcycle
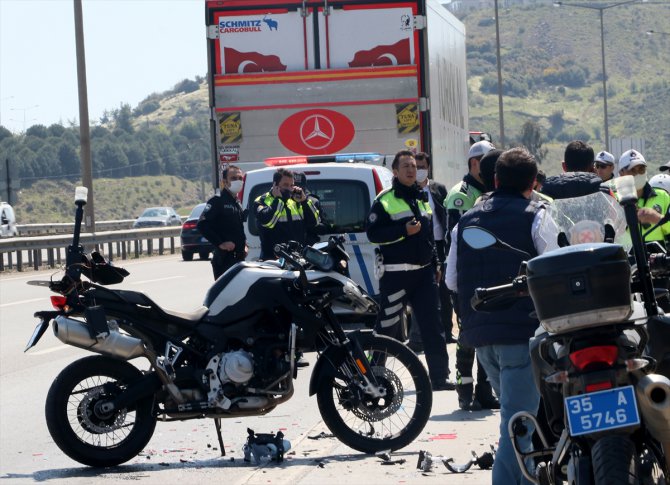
[(601, 356), (234, 357)]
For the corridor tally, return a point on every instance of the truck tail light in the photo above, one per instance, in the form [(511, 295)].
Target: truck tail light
[(599, 357)]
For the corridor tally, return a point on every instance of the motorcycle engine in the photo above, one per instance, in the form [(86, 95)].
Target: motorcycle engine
[(236, 366)]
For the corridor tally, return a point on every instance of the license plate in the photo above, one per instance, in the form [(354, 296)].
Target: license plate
[(37, 334), (602, 410)]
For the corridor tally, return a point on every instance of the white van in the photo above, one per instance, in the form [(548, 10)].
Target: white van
[(346, 192), (8, 221)]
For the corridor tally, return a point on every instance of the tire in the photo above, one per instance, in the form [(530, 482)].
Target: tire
[(204, 255), (80, 431), (186, 255), (405, 323), (357, 420), (613, 460)]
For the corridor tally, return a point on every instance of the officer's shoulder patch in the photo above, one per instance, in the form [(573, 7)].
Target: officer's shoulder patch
[(207, 207), (657, 208), (372, 217)]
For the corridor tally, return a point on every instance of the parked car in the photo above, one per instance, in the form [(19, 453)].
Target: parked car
[(157, 217), (192, 241), (8, 221)]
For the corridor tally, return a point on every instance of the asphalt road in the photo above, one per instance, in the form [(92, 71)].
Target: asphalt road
[(188, 451)]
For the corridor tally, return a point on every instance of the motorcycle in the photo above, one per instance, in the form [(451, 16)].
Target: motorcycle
[(605, 412), (234, 357)]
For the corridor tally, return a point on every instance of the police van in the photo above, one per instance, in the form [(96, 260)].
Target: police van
[(346, 188)]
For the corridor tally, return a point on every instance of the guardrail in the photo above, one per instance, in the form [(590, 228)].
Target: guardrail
[(114, 244), (68, 227)]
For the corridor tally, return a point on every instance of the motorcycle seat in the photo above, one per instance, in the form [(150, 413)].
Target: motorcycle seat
[(192, 317)]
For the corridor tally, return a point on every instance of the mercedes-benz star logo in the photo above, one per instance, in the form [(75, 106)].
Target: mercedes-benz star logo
[(317, 132)]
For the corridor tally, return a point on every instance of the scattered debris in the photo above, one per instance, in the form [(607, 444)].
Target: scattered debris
[(265, 445), (321, 435), (485, 461)]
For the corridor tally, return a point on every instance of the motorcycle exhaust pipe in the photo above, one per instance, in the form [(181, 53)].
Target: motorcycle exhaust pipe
[(653, 397), (115, 344)]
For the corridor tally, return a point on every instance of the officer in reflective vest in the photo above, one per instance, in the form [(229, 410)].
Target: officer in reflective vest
[(652, 203), (284, 213), (400, 221)]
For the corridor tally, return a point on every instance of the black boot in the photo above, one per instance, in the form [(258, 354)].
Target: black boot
[(465, 401), (484, 396)]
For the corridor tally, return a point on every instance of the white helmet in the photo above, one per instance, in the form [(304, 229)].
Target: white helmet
[(660, 181)]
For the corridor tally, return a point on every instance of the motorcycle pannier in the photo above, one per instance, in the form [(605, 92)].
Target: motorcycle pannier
[(579, 286)]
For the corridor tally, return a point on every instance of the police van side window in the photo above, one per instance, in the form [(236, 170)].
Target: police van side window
[(344, 203)]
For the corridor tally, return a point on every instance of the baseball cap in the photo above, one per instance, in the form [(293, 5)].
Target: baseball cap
[(605, 157), (664, 167), (480, 149), (630, 159)]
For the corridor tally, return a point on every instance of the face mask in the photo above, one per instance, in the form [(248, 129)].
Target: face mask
[(640, 180), (235, 186), (421, 175)]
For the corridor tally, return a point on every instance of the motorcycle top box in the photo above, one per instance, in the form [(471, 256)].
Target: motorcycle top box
[(586, 285)]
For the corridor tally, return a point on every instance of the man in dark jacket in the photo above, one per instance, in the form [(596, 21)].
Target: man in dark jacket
[(222, 222), (400, 221), (578, 178), (284, 213), (436, 193), (501, 337)]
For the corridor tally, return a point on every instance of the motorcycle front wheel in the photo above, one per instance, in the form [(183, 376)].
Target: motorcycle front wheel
[(370, 424), (81, 428)]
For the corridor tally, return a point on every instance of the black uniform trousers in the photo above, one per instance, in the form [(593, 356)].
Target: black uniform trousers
[(465, 360), (222, 261), (418, 289)]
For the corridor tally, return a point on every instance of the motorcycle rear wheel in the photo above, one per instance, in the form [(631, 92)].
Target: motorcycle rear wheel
[(81, 429), (614, 461), (370, 424)]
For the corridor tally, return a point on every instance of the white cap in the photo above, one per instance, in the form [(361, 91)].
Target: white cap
[(605, 157), (480, 149), (630, 159)]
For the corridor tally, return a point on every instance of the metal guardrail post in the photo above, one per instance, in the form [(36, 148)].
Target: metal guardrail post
[(19, 260), (50, 257), (150, 247), (123, 250), (137, 248), (110, 251), (172, 245), (161, 246)]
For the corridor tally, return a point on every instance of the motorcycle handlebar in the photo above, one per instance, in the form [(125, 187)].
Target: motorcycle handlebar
[(659, 264), (494, 295)]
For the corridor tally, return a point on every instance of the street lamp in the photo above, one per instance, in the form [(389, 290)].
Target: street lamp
[(600, 8), (24, 113)]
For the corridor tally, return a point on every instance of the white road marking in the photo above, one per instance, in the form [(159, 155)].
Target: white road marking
[(49, 350), (21, 302), (157, 279)]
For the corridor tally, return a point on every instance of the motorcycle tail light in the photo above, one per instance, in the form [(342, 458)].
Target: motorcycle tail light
[(599, 357), (598, 386), (59, 302)]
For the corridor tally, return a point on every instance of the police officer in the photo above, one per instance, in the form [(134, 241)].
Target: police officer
[(284, 213), (460, 199), (400, 221), (652, 203), (222, 222)]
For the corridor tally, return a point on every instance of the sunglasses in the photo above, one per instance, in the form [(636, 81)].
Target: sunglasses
[(601, 165)]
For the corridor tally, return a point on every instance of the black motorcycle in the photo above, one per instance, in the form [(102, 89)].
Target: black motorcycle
[(233, 357), (605, 413)]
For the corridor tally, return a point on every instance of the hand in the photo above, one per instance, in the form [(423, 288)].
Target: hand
[(412, 227), (299, 194), (276, 191), (246, 250), (227, 246), (648, 216)]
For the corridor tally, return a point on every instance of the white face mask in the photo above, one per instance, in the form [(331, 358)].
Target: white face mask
[(421, 175), (235, 186), (640, 180)]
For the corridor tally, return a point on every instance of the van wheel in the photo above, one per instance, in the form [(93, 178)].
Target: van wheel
[(186, 255)]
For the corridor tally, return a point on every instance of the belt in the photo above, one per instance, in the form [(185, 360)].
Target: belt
[(404, 267)]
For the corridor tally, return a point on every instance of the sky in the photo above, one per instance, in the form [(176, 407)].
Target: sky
[(133, 48)]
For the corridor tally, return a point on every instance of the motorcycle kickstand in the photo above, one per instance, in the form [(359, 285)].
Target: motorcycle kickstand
[(217, 425)]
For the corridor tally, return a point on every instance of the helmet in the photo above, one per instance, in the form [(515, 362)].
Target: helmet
[(660, 181)]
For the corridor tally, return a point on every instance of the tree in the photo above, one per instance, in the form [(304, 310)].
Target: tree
[(123, 118), (531, 138), (56, 130), (4, 133), (69, 160), (113, 159), (40, 131)]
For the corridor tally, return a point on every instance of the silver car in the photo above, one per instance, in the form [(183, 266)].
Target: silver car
[(158, 217)]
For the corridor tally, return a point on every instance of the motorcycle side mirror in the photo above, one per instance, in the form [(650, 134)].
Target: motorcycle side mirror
[(479, 238)]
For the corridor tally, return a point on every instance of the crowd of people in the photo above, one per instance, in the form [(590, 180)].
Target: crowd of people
[(423, 262)]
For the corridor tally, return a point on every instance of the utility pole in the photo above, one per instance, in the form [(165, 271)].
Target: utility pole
[(84, 132), (9, 183), (500, 87)]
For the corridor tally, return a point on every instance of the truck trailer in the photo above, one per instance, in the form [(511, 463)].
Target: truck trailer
[(304, 78)]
